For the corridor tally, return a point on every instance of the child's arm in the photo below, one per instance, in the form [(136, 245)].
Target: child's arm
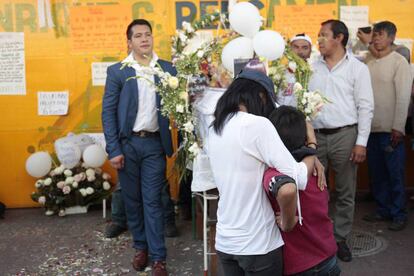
[(283, 188)]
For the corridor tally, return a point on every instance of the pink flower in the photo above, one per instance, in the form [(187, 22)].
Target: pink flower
[(60, 184), (66, 190), (77, 178)]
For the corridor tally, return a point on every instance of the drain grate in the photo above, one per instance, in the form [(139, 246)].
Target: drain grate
[(365, 244)]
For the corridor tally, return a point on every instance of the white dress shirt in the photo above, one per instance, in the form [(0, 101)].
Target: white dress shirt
[(147, 106), (348, 86), (238, 158)]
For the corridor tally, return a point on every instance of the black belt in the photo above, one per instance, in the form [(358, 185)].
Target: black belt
[(145, 134), (328, 131)]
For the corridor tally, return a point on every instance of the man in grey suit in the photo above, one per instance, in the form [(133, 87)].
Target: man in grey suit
[(138, 138)]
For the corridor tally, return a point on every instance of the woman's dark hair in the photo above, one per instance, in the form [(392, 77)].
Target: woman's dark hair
[(136, 22), (338, 27), (249, 93), (290, 123)]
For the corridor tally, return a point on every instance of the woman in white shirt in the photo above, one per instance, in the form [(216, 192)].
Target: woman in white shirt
[(240, 145)]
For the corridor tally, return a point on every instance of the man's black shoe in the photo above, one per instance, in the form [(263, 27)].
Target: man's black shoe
[(343, 253), (170, 230), (398, 225), (374, 217), (113, 230)]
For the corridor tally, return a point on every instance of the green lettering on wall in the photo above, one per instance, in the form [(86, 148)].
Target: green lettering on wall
[(137, 7), (60, 15), (25, 16), (271, 12), (6, 18)]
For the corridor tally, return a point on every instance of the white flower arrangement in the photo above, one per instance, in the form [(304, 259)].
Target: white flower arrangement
[(309, 103), (64, 188)]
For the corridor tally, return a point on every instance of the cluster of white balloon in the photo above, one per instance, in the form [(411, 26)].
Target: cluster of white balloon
[(245, 19), (69, 151)]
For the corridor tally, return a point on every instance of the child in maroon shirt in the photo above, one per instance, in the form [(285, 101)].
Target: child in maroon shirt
[(309, 248)]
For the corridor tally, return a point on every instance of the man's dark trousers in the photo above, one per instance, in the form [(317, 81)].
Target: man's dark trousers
[(142, 180)]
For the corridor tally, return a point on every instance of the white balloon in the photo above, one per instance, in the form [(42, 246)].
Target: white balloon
[(68, 153), (269, 44), (94, 156), (39, 164), (245, 19), (241, 47)]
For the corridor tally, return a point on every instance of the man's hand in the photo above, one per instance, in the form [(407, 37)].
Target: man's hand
[(319, 171), (358, 154), (117, 162), (396, 137), (364, 37)]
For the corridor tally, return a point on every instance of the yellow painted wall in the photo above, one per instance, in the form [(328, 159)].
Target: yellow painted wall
[(56, 62)]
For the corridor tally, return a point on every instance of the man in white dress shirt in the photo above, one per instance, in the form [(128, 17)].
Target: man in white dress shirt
[(343, 126)]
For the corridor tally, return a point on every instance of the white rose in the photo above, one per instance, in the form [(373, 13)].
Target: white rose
[(75, 184), (188, 127), (179, 108), (106, 176), (91, 178), (66, 190), (308, 110), (67, 172), (106, 186), (69, 180), (297, 87), (41, 200), (47, 181), (200, 54), (292, 66), (173, 82), (83, 192), (39, 183), (58, 171), (194, 149), (90, 172), (90, 190)]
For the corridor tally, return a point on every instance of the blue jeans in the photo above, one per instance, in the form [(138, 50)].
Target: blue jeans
[(142, 180), (387, 175), (118, 210), (329, 267)]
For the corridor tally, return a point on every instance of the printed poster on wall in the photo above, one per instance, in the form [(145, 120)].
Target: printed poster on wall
[(297, 19), (12, 64), (99, 72), (53, 103)]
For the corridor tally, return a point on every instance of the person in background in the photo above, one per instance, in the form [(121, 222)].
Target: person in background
[(118, 224), (301, 44), (392, 83), (342, 127), (138, 137)]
